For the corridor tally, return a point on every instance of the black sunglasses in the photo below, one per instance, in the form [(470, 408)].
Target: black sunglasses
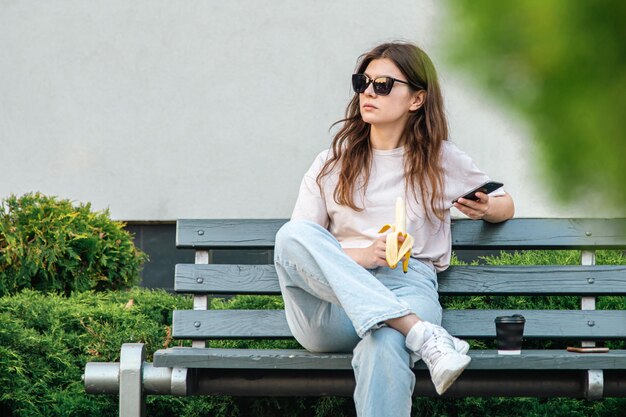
[(381, 85)]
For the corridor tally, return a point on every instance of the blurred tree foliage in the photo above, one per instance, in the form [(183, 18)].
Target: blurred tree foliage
[(562, 65)]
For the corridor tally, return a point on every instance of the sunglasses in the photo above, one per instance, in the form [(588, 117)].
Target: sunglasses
[(382, 85)]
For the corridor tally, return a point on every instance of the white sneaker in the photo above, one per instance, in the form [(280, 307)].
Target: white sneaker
[(437, 348), (460, 345)]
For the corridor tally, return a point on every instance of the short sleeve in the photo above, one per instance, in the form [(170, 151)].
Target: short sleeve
[(310, 204), (461, 174)]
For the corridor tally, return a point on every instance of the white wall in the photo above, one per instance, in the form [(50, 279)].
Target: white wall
[(163, 110)]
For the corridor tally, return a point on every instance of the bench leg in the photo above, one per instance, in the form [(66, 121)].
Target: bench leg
[(132, 398)]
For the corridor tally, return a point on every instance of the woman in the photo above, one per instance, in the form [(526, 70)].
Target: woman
[(340, 293)]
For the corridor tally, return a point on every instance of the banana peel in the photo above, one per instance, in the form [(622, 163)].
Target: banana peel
[(393, 254)]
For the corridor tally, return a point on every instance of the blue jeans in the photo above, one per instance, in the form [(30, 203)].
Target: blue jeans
[(335, 305)]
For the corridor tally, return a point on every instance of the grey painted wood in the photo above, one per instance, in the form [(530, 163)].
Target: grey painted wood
[(458, 280), (302, 359), (533, 280), (540, 234), (466, 234), (551, 324), (226, 279), (227, 233), (251, 358)]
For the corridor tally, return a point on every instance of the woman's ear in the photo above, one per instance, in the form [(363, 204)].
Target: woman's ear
[(418, 100)]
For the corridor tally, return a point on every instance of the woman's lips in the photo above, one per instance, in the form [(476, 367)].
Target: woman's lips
[(369, 107)]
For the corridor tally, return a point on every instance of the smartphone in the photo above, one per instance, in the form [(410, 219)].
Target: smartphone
[(485, 188)]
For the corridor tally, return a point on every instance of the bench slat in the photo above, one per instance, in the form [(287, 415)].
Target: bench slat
[(457, 280), (227, 233), (552, 324), (302, 359), (466, 234), (540, 234)]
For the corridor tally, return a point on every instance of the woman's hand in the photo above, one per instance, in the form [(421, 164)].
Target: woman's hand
[(374, 255), (474, 209), (491, 209)]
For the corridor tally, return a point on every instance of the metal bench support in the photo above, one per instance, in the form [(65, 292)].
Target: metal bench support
[(595, 377), (132, 398), (133, 379), (588, 257), (201, 302), (595, 385)]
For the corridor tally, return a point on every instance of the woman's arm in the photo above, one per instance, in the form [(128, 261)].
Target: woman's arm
[(491, 209)]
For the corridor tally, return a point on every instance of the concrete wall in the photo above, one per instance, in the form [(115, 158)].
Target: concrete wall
[(163, 110)]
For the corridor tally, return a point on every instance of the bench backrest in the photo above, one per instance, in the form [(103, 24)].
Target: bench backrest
[(586, 280)]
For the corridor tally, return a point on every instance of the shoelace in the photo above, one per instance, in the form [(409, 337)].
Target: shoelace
[(436, 345)]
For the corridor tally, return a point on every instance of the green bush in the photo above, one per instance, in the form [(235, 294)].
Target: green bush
[(49, 244), (45, 341)]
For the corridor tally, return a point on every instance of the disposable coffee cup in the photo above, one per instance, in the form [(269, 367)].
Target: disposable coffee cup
[(509, 334)]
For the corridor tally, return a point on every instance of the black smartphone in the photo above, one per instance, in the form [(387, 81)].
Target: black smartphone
[(485, 188)]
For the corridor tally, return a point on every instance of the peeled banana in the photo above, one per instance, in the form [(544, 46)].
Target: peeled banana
[(392, 253)]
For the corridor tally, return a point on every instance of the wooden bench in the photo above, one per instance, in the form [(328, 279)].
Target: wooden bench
[(199, 370)]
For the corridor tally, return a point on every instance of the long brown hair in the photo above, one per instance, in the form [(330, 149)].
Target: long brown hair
[(424, 133)]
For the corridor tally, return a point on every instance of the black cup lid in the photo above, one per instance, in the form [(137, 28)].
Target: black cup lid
[(515, 318)]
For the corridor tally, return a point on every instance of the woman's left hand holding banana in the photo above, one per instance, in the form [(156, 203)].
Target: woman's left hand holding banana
[(372, 256)]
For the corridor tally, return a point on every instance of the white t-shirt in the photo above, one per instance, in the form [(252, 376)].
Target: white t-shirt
[(386, 182)]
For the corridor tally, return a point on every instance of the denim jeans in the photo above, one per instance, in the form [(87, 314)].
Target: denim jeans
[(333, 304)]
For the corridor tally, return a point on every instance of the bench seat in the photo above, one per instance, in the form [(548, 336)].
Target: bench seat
[(536, 372), (547, 372), (216, 358)]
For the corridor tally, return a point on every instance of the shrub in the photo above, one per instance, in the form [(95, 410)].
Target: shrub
[(45, 341), (49, 244)]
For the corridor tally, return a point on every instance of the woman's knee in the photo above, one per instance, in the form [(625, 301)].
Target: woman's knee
[(291, 230), (382, 343), (296, 233)]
